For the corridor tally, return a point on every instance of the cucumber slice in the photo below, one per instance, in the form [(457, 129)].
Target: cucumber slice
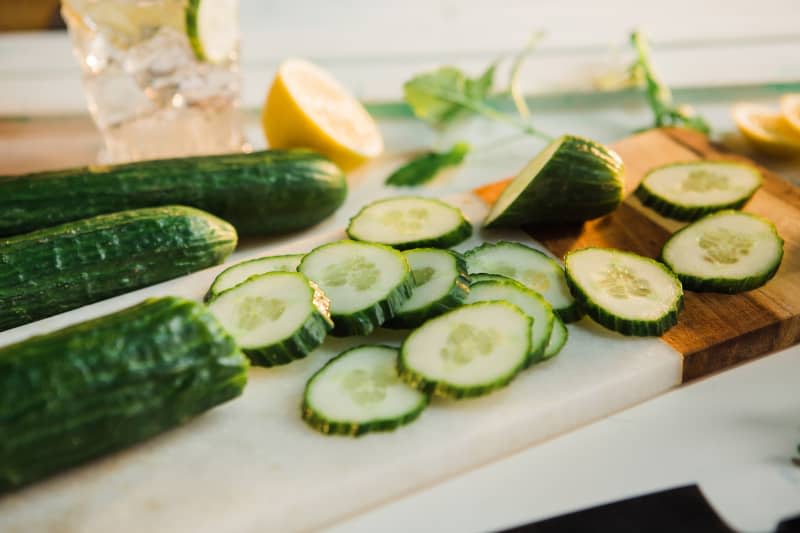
[(405, 222), (213, 29), (236, 274), (728, 252), (366, 283), (359, 391), (558, 338), (469, 351), (275, 318), (528, 266), (624, 292), (572, 180), (482, 276), (531, 303), (688, 191), (441, 283)]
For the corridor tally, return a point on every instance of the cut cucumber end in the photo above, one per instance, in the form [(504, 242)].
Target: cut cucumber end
[(359, 391), (212, 27)]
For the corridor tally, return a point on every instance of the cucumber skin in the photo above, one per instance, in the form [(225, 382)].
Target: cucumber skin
[(681, 212), (303, 342), (99, 386), (328, 427), (566, 199), (260, 193), (454, 298), (554, 351), (58, 269), (625, 326)]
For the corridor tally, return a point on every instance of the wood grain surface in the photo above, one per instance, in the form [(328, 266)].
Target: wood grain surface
[(715, 331)]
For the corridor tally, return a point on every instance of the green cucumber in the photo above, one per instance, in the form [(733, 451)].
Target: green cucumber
[(99, 386), (528, 266), (212, 27), (365, 282), (441, 283), (531, 303), (558, 338), (570, 181), (406, 222), (623, 291), (275, 317), (469, 351), (688, 191), (236, 274), (728, 251), (359, 391), (57, 269), (260, 193)]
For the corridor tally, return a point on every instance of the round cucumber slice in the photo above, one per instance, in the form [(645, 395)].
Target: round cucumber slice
[(236, 274), (728, 252), (213, 29), (406, 222), (469, 351), (531, 303), (275, 318), (359, 391), (528, 266), (571, 180), (623, 291), (441, 283), (688, 191), (365, 282)]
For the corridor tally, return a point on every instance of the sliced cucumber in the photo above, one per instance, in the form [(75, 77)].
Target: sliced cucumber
[(405, 222), (236, 274), (688, 191), (571, 180), (275, 318), (728, 251), (441, 283), (528, 266), (213, 29), (558, 338), (365, 282), (531, 303), (483, 276), (359, 391), (624, 292), (469, 351)]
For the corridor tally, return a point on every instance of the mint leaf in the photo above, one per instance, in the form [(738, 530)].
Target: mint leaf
[(444, 95), (424, 168)]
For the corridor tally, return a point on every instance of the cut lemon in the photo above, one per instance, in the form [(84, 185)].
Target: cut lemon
[(306, 107), (213, 29), (768, 130), (790, 107)]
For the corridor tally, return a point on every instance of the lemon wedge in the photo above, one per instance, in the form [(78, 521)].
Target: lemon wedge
[(790, 108), (307, 107), (768, 130)]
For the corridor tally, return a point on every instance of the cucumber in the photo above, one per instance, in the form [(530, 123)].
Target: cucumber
[(688, 191), (528, 266), (359, 391), (441, 283), (728, 252), (623, 291), (99, 386), (365, 282), (236, 274), (57, 269), (469, 351), (212, 27), (570, 181), (260, 193), (558, 338), (275, 317), (531, 303), (406, 222)]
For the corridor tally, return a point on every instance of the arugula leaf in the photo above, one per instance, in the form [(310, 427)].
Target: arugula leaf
[(424, 168), (659, 95), (443, 96)]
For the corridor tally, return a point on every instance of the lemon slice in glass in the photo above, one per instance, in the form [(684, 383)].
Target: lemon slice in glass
[(213, 29), (768, 130), (306, 107)]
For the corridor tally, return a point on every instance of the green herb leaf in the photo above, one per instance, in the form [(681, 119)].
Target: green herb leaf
[(446, 94), (424, 168), (659, 95)]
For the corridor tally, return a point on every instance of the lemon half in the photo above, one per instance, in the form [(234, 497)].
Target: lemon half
[(768, 130)]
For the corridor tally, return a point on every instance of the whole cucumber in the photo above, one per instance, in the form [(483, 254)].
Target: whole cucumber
[(260, 193), (101, 385), (57, 269)]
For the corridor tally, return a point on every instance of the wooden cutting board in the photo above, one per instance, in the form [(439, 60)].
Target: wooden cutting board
[(714, 331)]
